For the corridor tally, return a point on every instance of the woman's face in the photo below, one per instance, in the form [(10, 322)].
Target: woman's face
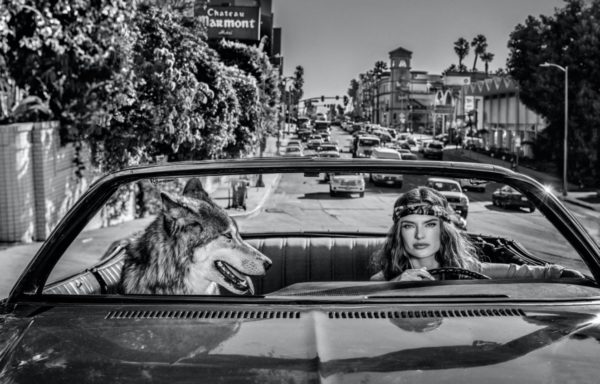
[(420, 235)]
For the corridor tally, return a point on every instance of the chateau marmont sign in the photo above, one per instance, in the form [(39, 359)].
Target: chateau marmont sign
[(238, 23)]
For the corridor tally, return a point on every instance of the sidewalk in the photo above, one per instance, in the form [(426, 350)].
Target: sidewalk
[(14, 257), (589, 200)]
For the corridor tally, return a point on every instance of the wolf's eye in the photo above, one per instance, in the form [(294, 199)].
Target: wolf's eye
[(228, 235)]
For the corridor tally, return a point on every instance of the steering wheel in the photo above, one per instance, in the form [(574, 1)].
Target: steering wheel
[(461, 272)]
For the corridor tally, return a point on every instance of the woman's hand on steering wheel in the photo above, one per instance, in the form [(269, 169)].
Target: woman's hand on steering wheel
[(414, 275), (461, 272)]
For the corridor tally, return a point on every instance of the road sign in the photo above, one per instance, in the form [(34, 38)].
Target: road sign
[(469, 103)]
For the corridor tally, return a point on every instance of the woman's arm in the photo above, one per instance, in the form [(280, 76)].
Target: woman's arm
[(378, 276), (514, 271)]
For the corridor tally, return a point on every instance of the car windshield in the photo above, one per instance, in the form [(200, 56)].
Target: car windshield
[(327, 148), (444, 186), (368, 142), (189, 137), (283, 213)]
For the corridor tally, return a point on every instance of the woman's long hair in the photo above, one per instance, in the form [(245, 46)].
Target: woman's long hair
[(456, 250)]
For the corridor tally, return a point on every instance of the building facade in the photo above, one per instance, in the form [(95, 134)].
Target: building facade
[(410, 100), (501, 118)]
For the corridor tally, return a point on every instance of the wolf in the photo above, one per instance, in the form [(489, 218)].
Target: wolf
[(192, 248)]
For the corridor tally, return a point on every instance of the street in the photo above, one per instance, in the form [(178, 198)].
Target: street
[(304, 202)]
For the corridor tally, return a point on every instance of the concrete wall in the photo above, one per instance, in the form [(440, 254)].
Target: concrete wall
[(38, 181)]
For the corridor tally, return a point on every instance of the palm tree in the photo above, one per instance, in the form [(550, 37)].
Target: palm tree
[(379, 67), (461, 47), (487, 58), (479, 45)]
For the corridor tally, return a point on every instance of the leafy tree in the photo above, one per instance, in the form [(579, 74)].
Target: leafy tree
[(461, 48), (185, 106), (254, 61), (451, 68), (487, 58), (298, 85), (570, 38), (74, 56), (479, 45), (379, 67), (353, 90), (352, 93)]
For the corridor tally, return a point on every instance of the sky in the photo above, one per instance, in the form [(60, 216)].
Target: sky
[(335, 40)]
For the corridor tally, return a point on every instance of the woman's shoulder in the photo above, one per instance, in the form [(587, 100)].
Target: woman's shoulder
[(378, 276)]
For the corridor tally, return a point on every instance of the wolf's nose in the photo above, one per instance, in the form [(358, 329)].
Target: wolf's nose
[(267, 265)]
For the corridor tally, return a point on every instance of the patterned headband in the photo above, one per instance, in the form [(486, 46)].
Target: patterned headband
[(421, 209)]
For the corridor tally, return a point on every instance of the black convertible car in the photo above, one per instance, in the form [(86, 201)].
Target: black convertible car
[(310, 312)]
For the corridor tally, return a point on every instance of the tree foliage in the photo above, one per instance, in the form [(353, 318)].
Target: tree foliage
[(479, 45), (136, 81), (569, 38), (254, 62), (487, 58), (186, 108), (74, 56), (298, 85), (461, 48)]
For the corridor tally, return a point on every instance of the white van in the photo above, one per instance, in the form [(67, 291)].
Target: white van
[(365, 145), (383, 178)]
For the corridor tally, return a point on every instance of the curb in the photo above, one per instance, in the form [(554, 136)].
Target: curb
[(579, 203)]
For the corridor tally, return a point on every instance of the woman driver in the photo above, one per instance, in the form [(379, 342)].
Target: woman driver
[(423, 237)]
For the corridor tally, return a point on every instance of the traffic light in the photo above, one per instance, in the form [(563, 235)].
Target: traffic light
[(322, 99), (337, 97), (345, 100)]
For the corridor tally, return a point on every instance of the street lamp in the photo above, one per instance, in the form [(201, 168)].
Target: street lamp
[(565, 69)]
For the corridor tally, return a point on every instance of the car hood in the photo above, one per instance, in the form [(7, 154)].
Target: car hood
[(254, 344), (329, 153)]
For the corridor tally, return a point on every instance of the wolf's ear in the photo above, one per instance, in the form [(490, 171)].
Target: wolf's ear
[(171, 206), (193, 188), (172, 210)]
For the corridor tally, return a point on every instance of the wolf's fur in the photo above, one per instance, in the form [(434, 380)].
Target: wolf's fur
[(178, 253)]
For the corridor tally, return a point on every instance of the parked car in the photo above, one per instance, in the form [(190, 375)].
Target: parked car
[(314, 144), (443, 137), (346, 183), (408, 156), (393, 179), (473, 184), (326, 137), (508, 196), (314, 313), (434, 150), (412, 145), (501, 153), (293, 151), (452, 192), (304, 133), (295, 143), (473, 143), (328, 150)]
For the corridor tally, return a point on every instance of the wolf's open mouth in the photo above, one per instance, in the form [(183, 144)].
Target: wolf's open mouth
[(232, 275)]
